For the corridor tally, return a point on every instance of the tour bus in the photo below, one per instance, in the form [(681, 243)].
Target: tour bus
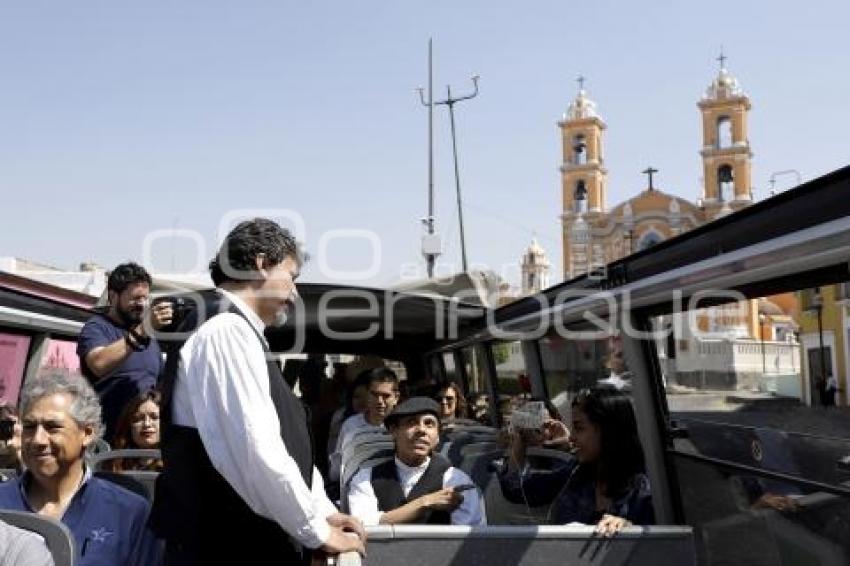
[(725, 339)]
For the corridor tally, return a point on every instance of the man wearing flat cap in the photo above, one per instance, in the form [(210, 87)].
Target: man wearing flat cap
[(416, 486)]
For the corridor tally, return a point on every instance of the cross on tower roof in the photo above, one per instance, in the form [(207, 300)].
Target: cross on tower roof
[(580, 80), (722, 59), (650, 171)]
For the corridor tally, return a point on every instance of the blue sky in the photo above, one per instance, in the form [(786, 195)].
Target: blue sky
[(118, 119)]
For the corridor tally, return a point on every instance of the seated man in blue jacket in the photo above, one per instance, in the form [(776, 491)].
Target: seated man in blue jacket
[(60, 415)]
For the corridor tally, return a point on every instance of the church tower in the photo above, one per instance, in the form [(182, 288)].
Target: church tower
[(726, 154), (535, 269), (583, 179)]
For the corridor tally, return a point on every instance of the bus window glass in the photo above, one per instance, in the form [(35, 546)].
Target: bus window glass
[(13, 361), (575, 362), (436, 368), (757, 390), (61, 354), (477, 398), (512, 381), (449, 364)]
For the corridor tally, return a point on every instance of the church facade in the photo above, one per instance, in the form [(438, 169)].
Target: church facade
[(595, 233), (730, 346)]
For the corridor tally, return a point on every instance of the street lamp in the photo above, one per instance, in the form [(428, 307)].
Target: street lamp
[(817, 304), (762, 319), (450, 102), (776, 174)]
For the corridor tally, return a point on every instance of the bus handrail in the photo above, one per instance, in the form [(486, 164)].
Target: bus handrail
[(843, 491), (680, 418)]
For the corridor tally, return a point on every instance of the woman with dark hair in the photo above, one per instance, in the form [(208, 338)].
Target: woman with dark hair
[(138, 427), (607, 486), (451, 400)]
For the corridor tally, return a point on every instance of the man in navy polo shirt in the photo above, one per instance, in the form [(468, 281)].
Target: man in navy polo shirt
[(116, 353), (61, 417)]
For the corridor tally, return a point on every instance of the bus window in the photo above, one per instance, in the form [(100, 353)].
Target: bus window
[(572, 363), (756, 391), (449, 365), (475, 368), (511, 373), (13, 361), (436, 368)]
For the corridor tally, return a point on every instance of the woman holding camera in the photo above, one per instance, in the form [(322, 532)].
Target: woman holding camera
[(607, 486)]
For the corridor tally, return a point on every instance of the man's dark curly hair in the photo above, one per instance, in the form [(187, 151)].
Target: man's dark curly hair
[(236, 259), (127, 274)]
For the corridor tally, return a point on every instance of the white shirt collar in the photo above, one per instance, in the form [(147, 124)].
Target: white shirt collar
[(249, 313), (405, 470)]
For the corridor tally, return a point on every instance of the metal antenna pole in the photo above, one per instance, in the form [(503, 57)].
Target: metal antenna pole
[(430, 257), (450, 102)]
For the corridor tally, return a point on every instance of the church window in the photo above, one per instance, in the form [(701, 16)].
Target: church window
[(724, 132), (649, 239), (581, 197), (579, 150), (725, 182)]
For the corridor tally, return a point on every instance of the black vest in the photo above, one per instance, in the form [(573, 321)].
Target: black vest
[(195, 509), (388, 490)]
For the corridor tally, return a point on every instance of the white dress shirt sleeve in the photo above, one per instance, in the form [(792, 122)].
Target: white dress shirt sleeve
[(362, 501), (471, 511), (236, 419), (323, 505)]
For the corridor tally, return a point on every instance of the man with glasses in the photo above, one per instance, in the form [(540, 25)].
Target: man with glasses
[(116, 352), (382, 398), (451, 401)]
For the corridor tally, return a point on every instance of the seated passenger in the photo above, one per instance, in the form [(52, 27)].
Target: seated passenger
[(479, 408), (415, 486), (383, 396), (61, 416), (608, 487), (451, 401), (620, 378), (138, 427), (10, 441), (356, 402), (22, 548)]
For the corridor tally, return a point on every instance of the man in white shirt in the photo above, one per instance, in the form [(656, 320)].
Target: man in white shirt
[(239, 475), (382, 397), (416, 486)]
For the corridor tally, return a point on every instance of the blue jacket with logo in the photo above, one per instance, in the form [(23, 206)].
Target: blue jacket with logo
[(108, 523)]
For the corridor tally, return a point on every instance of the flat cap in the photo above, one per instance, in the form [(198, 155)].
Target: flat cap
[(413, 406)]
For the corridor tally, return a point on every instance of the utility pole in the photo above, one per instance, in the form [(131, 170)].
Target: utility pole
[(430, 241), (450, 102)]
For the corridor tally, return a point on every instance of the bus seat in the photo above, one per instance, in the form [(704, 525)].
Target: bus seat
[(56, 536), (458, 444), (360, 459), (99, 460), (140, 483), (471, 429), (99, 446), (500, 511), (427, 545)]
